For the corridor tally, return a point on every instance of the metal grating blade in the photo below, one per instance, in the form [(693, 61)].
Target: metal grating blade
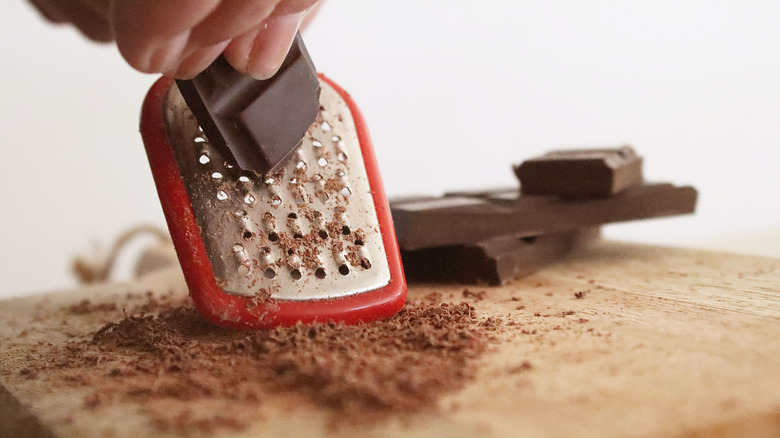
[(309, 231)]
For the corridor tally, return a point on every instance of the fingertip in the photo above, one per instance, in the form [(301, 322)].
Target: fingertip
[(271, 44), (310, 14), (50, 11), (98, 32), (161, 56), (197, 61), (238, 53), (262, 68)]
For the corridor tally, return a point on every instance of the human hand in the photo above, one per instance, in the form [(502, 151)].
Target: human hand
[(180, 38)]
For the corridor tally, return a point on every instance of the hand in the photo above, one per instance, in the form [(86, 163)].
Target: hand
[(180, 38)]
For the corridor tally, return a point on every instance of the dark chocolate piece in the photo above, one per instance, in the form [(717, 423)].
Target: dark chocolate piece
[(467, 220), (410, 198), (256, 124), (493, 261), (507, 195), (585, 173)]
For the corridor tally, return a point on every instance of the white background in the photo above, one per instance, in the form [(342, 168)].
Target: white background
[(453, 91)]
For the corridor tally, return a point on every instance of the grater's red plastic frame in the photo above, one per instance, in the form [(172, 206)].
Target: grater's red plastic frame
[(236, 312)]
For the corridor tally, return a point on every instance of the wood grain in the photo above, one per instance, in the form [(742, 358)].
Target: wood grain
[(662, 342)]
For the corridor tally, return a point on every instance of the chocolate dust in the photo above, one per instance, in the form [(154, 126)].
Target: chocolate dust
[(165, 351)]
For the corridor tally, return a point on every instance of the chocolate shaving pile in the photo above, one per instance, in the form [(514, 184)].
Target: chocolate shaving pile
[(402, 364)]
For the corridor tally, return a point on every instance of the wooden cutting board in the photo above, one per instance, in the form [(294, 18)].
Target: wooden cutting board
[(619, 340)]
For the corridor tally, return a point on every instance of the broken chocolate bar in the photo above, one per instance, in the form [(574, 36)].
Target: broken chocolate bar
[(256, 124), (585, 173), (493, 261), (461, 220)]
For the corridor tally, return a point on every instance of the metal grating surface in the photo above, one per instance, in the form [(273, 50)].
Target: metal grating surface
[(309, 231)]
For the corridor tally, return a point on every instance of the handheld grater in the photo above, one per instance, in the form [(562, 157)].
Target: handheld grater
[(312, 241)]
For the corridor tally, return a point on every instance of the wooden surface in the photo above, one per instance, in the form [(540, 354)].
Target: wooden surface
[(664, 342)]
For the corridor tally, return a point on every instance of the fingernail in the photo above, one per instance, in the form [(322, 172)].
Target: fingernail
[(271, 45), (196, 61), (166, 56)]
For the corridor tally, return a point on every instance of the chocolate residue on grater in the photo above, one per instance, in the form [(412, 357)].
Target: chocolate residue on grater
[(308, 231)]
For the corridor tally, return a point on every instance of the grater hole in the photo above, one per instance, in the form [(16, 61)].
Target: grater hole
[(322, 162), (216, 175), (359, 242), (290, 251), (204, 159), (316, 143), (247, 234), (345, 230), (325, 126), (346, 192), (277, 201), (249, 199), (342, 156), (272, 236), (238, 248), (335, 139), (295, 274), (292, 216), (200, 139), (222, 195), (243, 270), (365, 263), (323, 234), (320, 273), (297, 236), (243, 179), (270, 273), (343, 270), (528, 239)]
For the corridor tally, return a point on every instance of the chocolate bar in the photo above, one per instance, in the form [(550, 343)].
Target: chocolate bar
[(493, 261), (501, 195), (585, 173), (256, 124), (463, 220)]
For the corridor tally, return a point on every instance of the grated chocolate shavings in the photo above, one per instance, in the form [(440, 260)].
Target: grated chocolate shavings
[(402, 364)]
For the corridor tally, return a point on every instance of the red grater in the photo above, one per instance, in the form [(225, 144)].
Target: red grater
[(311, 242)]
